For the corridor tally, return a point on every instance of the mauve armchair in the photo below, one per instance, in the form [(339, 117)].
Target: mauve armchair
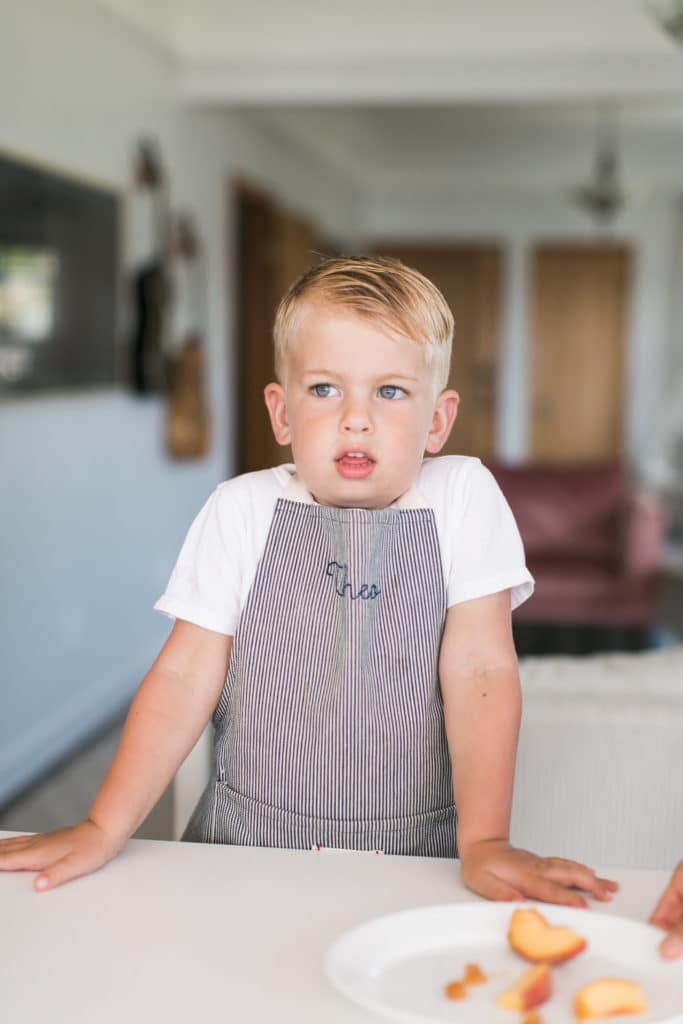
[(594, 545)]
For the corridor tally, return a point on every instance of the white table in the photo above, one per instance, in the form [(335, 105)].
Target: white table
[(182, 932)]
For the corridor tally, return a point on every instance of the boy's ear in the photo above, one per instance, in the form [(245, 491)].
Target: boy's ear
[(277, 410), (443, 418)]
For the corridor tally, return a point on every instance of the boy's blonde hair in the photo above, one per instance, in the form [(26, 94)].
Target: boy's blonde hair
[(377, 288)]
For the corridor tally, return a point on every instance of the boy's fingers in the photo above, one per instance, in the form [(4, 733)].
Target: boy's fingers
[(37, 851), (570, 873), (565, 862), (70, 866), (671, 947), (10, 846), (575, 864), (494, 888), (548, 891), (669, 909), (27, 858)]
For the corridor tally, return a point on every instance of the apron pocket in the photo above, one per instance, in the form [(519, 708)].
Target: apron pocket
[(242, 820)]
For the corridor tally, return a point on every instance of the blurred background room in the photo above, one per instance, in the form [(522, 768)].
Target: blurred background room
[(168, 168)]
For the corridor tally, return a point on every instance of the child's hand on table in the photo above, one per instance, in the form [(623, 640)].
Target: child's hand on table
[(668, 914), (495, 869), (58, 856)]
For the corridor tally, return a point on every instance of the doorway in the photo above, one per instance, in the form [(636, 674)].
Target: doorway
[(274, 246), (469, 277), (579, 315)]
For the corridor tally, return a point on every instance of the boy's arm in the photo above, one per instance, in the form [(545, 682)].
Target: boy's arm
[(482, 708), (167, 715)]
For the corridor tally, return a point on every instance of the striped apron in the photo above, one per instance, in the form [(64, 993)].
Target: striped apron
[(329, 730)]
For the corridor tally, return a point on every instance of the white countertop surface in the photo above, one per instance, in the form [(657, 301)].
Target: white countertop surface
[(177, 932)]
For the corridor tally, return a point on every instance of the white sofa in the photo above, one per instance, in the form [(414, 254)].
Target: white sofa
[(600, 761), (600, 758)]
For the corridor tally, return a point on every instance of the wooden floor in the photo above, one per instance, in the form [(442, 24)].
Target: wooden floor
[(63, 798)]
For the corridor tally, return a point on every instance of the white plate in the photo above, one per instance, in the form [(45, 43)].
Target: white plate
[(398, 965)]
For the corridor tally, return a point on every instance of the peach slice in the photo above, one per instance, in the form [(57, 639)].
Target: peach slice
[(606, 997), (537, 940), (533, 988)]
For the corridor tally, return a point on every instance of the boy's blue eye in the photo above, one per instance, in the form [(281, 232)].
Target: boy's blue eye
[(323, 390), (391, 391)]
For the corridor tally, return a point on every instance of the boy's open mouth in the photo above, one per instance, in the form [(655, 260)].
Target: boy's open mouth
[(354, 465)]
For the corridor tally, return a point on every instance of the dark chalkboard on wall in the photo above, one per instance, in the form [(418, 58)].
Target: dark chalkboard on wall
[(59, 281)]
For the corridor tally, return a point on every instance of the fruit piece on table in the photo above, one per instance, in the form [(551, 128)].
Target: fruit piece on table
[(606, 997), (533, 988), (537, 940)]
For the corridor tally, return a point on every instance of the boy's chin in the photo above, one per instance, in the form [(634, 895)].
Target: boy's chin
[(348, 500), (378, 490), (355, 494)]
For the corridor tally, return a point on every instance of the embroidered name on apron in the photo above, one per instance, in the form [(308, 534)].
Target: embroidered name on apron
[(342, 586)]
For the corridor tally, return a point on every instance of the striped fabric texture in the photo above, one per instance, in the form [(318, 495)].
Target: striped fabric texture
[(330, 726)]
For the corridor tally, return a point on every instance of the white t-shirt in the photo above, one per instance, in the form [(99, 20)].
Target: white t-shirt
[(481, 549)]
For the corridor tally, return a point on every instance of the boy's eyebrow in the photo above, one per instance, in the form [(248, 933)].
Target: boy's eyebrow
[(383, 376)]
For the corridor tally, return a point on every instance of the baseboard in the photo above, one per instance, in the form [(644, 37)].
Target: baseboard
[(31, 754)]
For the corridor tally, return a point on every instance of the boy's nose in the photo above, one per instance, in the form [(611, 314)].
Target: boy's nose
[(356, 418)]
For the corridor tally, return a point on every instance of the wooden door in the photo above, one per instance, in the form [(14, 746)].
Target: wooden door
[(273, 248), (469, 278), (579, 323)]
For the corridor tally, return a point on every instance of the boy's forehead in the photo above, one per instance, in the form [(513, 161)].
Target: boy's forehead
[(317, 316), (335, 329)]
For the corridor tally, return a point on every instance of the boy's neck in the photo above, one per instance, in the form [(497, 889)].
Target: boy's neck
[(296, 490)]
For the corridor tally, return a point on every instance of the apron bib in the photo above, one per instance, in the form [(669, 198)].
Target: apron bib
[(329, 729)]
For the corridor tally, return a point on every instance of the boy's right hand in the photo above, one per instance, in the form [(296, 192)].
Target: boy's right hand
[(59, 856)]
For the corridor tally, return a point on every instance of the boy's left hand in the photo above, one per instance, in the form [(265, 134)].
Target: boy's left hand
[(495, 869)]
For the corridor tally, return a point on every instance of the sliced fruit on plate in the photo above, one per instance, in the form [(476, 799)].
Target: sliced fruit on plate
[(474, 975), (533, 988), (537, 940), (607, 997), (455, 990)]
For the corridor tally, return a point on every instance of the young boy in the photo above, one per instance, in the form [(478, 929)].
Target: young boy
[(346, 620)]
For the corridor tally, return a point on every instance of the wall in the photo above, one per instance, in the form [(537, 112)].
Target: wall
[(93, 512), (518, 221)]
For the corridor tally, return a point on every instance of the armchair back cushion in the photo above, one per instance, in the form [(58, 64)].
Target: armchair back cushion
[(591, 543)]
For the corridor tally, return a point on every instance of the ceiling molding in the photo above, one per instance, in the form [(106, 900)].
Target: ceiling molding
[(429, 81)]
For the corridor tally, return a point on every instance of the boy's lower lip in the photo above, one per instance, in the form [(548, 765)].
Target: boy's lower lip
[(354, 469)]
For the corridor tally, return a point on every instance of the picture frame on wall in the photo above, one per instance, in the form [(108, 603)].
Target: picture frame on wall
[(59, 281)]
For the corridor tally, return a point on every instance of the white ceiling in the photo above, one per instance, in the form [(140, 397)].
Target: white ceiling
[(225, 30), (410, 50), (435, 92)]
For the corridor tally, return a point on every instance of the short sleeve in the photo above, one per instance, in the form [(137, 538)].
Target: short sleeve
[(482, 548), (206, 582)]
